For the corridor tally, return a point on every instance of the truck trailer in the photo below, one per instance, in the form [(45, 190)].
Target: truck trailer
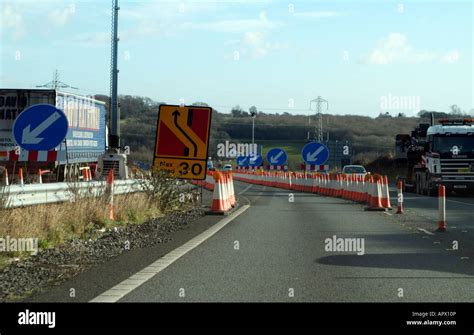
[(85, 141), (441, 154)]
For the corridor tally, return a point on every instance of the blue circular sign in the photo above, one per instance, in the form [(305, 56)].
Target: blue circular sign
[(40, 127), (255, 160), (243, 161), (277, 157), (315, 153)]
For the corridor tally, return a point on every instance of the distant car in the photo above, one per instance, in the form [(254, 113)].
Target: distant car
[(358, 170), (227, 167)]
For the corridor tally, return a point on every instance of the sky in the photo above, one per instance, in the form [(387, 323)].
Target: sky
[(363, 57)]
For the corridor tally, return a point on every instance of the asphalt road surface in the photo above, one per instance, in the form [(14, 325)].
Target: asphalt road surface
[(277, 250)]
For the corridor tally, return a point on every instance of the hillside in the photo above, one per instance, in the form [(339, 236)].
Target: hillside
[(370, 137)]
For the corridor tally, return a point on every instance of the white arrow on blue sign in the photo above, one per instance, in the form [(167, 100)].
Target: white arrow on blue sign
[(40, 127), (242, 161), (315, 153), (255, 160), (277, 156)]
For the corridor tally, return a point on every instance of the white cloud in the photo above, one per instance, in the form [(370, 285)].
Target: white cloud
[(60, 16), (254, 45), (11, 19), (450, 57), (236, 26), (395, 49), (95, 39), (317, 14)]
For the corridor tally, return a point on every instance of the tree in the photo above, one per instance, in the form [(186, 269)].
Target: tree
[(236, 111), (455, 110)]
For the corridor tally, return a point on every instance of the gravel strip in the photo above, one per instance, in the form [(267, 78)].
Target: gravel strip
[(54, 266)]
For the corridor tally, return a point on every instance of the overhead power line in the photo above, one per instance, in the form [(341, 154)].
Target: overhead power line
[(56, 83)]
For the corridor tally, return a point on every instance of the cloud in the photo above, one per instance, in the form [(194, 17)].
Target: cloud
[(317, 14), (395, 49), (254, 45), (94, 39), (59, 17), (450, 57), (236, 26), (11, 19)]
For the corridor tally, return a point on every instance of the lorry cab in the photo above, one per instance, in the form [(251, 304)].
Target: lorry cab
[(441, 154)]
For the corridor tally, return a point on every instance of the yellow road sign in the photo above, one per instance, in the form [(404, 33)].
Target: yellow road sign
[(182, 140)]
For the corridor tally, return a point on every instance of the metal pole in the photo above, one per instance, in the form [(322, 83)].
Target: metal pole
[(253, 132), (318, 131), (114, 137)]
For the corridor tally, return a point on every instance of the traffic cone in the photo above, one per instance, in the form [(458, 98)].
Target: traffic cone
[(376, 197), (441, 208), (110, 184), (20, 176), (85, 175), (400, 197), (231, 191), (40, 176), (219, 202), (385, 194)]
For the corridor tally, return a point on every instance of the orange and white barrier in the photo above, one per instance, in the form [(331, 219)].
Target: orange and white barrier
[(220, 198), (86, 173), (207, 183), (385, 194), (372, 190)]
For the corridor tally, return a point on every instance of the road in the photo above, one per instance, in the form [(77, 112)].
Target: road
[(275, 250)]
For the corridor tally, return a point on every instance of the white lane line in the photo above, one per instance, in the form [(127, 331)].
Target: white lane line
[(244, 190), (128, 285), (460, 202), (425, 231)]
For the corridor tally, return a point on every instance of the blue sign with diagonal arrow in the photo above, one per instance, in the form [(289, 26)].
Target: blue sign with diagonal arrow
[(40, 127), (255, 160), (315, 153), (243, 161), (277, 157)]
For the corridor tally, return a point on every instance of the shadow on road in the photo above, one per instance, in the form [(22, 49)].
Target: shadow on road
[(439, 262)]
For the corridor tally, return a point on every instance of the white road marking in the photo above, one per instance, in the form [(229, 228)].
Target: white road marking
[(245, 190), (425, 231), (460, 202), (128, 285)]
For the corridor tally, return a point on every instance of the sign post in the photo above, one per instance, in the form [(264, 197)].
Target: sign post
[(182, 141)]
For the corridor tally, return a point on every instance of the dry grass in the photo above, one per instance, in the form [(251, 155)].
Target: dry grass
[(86, 217), (54, 224)]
